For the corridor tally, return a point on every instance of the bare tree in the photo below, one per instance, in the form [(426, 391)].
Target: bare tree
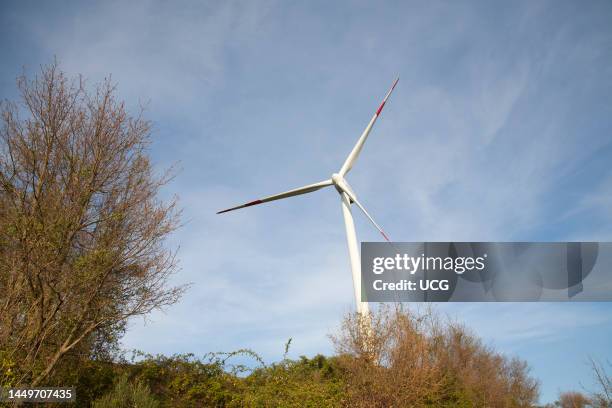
[(573, 399), (603, 397), (416, 359), (81, 228)]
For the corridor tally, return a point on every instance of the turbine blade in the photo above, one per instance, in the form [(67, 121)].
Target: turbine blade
[(297, 191), (362, 208), (352, 157)]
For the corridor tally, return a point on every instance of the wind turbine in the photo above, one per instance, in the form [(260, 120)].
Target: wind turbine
[(348, 197)]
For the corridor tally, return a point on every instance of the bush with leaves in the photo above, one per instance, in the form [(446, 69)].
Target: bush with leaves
[(315, 382), (183, 380), (126, 394)]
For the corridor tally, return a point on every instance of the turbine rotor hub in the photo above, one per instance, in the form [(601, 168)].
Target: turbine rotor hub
[(342, 186), (337, 179)]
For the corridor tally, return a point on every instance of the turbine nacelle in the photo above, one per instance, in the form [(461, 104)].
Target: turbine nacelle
[(343, 186)]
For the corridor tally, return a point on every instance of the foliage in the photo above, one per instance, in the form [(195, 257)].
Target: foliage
[(184, 381), (414, 359), (127, 395), (81, 227), (315, 382)]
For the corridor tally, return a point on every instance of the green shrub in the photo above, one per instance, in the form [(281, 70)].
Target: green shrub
[(127, 395), (306, 382)]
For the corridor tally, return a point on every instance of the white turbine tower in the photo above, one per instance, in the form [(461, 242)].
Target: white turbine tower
[(348, 197)]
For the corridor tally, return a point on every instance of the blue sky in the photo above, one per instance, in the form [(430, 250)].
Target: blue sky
[(499, 130)]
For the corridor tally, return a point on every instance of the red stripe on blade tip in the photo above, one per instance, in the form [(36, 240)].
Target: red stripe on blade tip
[(253, 203), (241, 206)]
